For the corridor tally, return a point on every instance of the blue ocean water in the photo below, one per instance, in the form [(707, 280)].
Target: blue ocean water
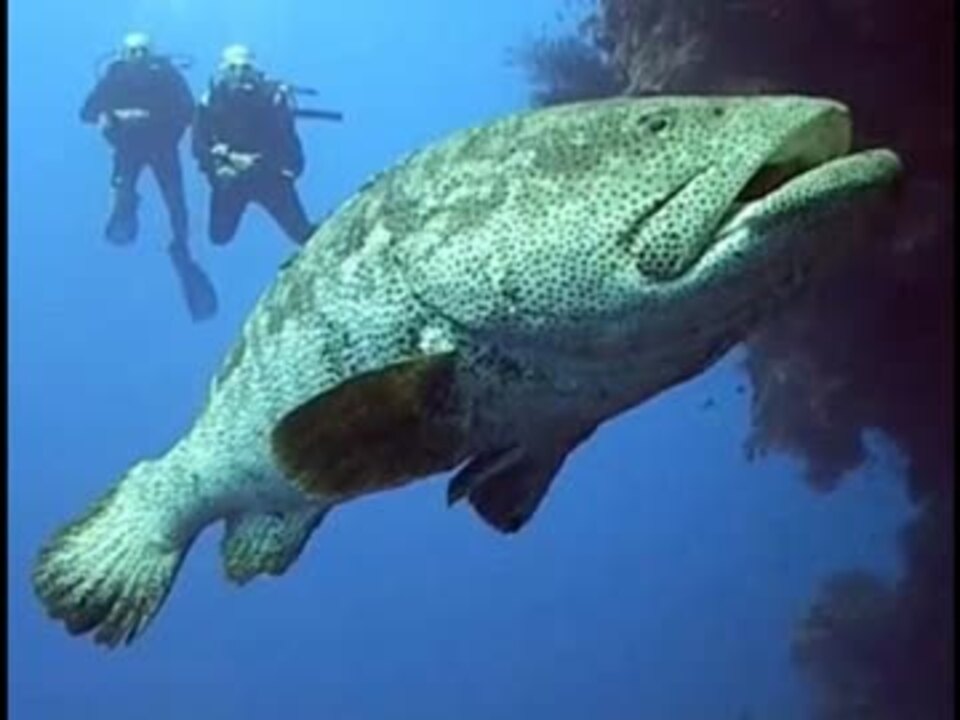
[(662, 577)]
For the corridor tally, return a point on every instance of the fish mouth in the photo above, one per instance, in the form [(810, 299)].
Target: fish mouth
[(780, 228), (813, 167)]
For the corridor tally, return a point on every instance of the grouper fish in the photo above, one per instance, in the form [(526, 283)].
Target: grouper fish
[(480, 307)]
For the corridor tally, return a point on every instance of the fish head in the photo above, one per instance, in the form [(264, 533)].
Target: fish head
[(606, 227), (775, 201)]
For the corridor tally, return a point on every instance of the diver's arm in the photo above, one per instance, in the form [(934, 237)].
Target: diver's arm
[(95, 103), (201, 140), (290, 157), (102, 107)]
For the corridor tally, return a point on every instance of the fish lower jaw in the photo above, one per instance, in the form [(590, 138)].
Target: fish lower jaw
[(815, 187)]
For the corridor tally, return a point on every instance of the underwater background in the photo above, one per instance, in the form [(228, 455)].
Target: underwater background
[(665, 577)]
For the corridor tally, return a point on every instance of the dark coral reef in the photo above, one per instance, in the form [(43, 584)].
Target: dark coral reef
[(870, 350)]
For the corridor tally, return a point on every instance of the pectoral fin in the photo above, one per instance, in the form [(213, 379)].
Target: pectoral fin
[(374, 431)]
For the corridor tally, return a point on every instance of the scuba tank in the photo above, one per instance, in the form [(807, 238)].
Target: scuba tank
[(314, 114), (292, 92), (310, 113)]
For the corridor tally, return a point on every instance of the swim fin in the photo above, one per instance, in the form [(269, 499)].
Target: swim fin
[(197, 289), (122, 225)]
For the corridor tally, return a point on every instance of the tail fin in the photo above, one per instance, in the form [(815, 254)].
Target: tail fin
[(109, 571)]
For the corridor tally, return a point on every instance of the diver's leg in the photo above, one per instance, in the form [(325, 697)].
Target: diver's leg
[(122, 224), (198, 291), (227, 203), (165, 164), (279, 197)]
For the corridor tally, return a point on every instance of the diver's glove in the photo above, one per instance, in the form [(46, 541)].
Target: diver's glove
[(244, 162), (221, 169), (230, 164), (225, 173)]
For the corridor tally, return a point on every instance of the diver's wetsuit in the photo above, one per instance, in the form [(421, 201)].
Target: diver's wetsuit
[(258, 120), (156, 86)]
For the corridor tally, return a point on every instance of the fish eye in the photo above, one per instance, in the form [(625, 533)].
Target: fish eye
[(658, 124)]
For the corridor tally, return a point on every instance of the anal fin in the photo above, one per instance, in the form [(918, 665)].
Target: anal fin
[(267, 544), (482, 468), (506, 486)]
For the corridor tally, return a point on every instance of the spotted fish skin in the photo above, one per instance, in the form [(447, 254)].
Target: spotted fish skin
[(497, 295)]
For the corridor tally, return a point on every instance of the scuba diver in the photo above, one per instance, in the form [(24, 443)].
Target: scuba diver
[(246, 143), (143, 105)]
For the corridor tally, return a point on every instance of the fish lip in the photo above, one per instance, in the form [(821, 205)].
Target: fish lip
[(825, 136), (811, 165), (831, 177)]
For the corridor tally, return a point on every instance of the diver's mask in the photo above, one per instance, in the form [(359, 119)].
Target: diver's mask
[(238, 71), (241, 78), (136, 47)]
